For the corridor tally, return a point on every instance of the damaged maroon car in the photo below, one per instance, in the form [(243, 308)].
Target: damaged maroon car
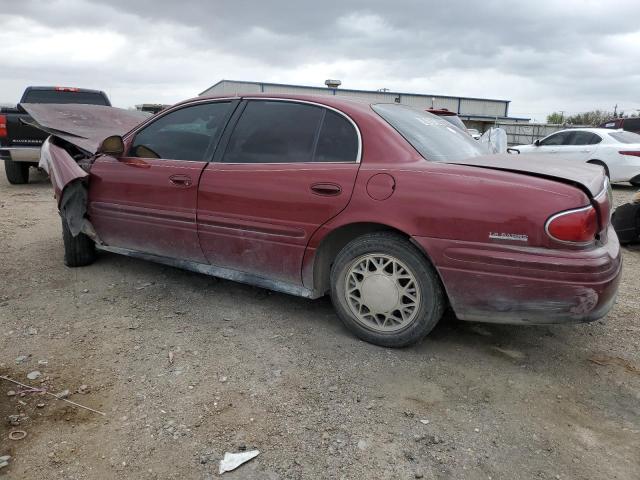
[(390, 210)]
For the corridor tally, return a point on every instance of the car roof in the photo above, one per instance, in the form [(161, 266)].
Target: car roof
[(336, 101), (602, 131)]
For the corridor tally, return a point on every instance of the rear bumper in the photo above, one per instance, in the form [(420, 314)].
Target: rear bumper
[(21, 154), (524, 285)]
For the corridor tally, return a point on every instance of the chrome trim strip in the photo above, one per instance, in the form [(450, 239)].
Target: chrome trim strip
[(561, 214)]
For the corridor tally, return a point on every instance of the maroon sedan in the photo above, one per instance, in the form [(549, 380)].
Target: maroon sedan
[(390, 210)]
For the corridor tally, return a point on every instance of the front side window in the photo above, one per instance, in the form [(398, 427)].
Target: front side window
[(562, 138), (184, 134), (433, 138)]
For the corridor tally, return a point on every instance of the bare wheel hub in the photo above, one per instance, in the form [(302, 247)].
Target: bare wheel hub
[(382, 292)]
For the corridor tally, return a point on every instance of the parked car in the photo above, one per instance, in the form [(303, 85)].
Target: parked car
[(628, 124), (20, 142), (475, 134), (386, 208), (617, 151)]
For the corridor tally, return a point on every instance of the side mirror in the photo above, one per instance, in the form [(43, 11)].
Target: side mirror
[(113, 145), (537, 143)]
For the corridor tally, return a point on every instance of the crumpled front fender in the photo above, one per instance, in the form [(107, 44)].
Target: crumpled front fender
[(70, 183), (61, 167)]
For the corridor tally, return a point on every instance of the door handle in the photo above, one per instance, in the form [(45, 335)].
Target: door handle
[(326, 189), (180, 180)]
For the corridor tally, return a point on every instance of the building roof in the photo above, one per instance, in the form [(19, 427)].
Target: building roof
[(387, 92)]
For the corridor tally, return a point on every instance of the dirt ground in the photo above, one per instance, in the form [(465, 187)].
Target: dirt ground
[(255, 369)]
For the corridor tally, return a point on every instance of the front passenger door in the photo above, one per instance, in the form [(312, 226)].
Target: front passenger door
[(553, 143), (146, 200)]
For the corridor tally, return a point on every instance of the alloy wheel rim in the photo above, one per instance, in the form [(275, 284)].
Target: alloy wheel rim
[(382, 292)]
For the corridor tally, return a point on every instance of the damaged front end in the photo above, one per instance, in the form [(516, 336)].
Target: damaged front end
[(76, 132), (70, 185)]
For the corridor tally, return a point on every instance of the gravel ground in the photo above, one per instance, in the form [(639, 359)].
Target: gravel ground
[(255, 369)]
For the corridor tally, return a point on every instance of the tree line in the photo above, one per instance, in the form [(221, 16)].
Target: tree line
[(592, 118)]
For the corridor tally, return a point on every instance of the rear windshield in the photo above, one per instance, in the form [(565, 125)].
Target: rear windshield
[(453, 120), (59, 96), (431, 136), (626, 137)]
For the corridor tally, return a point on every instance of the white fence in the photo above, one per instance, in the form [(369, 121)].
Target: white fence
[(525, 133)]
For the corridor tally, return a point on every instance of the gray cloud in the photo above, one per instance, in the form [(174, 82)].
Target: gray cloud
[(544, 55)]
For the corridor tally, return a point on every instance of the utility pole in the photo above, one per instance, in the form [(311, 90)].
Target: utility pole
[(615, 111)]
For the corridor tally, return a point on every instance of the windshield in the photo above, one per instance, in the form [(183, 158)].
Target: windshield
[(626, 137), (431, 136)]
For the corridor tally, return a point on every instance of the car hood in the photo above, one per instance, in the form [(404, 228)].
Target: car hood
[(590, 177), (85, 126)]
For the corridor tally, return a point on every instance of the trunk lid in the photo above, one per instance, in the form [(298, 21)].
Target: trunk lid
[(590, 178)]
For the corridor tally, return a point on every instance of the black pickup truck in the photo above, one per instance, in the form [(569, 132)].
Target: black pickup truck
[(20, 142)]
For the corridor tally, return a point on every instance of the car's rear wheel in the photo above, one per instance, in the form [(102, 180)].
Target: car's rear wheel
[(385, 291), (17, 172), (79, 250)]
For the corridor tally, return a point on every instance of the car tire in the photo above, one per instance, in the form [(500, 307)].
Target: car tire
[(79, 250), (385, 291), (17, 172)]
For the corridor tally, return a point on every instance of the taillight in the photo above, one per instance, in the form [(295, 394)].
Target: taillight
[(67, 89), (634, 153), (577, 226), (3, 126)]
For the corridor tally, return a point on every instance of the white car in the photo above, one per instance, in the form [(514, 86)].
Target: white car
[(617, 151)]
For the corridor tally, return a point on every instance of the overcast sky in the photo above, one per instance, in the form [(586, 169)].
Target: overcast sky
[(544, 55)]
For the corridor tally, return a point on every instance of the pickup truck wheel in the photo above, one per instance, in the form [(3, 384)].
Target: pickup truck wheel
[(385, 291), (17, 172), (79, 250)]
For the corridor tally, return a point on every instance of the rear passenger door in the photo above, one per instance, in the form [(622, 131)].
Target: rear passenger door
[(284, 169), (583, 144)]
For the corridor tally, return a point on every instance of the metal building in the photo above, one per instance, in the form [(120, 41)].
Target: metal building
[(478, 113)]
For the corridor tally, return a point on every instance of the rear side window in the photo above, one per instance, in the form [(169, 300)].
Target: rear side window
[(585, 138), (60, 96), (184, 134), (338, 140), (274, 132)]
